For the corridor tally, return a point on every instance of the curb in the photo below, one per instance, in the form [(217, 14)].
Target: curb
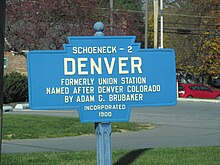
[(198, 100)]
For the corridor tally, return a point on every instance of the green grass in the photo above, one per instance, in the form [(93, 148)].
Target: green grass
[(166, 156), (37, 126)]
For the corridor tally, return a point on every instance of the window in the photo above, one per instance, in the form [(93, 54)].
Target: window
[(204, 88), (194, 87)]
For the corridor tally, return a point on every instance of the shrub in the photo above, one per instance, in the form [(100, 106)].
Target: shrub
[(15, 88)]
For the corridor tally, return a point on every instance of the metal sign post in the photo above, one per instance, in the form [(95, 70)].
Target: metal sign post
[(103, 143), (103, 130)]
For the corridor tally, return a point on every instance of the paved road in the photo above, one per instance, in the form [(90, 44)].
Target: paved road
[(187, 124)]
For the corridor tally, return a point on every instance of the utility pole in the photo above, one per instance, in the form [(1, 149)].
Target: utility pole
[(156, 23), (146, 24), (161, 24), (2, 38), (111, 16)]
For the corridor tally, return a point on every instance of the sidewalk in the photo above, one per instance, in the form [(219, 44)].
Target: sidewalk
[(199, 100)]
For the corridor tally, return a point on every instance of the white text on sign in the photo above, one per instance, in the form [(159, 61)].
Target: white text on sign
[(79, 65)]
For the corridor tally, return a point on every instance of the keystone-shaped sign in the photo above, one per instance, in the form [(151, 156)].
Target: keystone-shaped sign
[(102, 77)]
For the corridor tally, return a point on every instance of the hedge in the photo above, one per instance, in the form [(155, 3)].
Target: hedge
[(15, 88)]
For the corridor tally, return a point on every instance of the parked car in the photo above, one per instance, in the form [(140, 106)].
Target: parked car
[(198, 91)]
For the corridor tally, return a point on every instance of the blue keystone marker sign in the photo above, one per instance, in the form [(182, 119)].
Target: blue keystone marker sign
[(102, 77)]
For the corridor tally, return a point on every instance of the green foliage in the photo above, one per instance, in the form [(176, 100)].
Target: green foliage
[(15, 88), (159, 156), (129, 4), (194, 28), (21, 127)]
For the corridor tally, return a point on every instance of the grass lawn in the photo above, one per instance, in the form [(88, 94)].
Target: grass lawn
[(37, 126), (166, 156)]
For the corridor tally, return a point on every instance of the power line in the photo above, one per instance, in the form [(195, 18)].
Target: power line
[(180, 23), (189, 30), (195, 16), (164, 13), (173, 32)]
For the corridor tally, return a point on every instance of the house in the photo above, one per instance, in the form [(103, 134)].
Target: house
[(14, 63)]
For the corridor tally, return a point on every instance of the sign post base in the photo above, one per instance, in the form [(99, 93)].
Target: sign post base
[(103, 143)]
